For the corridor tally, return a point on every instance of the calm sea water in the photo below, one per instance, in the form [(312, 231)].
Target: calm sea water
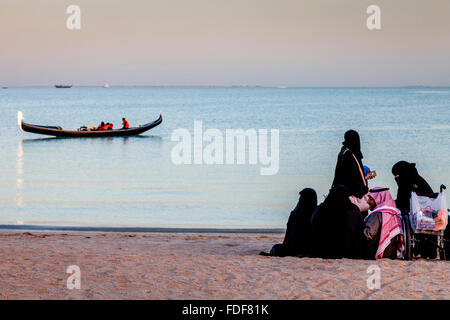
[(132, 182)]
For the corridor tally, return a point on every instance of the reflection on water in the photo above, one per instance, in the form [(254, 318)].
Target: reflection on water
[(49, 139), (107, 139), (19, 174)]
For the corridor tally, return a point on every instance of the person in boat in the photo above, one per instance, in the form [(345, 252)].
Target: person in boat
[(125, 123), (337, 228), (298, 232), (408, 179), (101, 126), (109, 126), (349, 166), (383, 226)]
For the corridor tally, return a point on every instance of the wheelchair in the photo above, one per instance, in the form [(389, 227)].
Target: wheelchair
[(423, 242)]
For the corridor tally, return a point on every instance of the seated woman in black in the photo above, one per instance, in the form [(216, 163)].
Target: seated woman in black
[(337, 229), (408, 180), (349, 166), (298, 231)]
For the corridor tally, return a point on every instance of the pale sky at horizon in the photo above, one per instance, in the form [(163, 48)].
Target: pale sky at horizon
[(212, 42)]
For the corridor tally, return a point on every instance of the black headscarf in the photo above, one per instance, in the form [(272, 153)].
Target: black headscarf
[(307, 201), (408, 179), (297, 238), (406, 172), (353, 142)]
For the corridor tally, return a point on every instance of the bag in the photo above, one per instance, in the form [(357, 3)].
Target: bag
[(428, 214)]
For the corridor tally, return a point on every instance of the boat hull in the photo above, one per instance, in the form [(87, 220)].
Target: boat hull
[(59, 132)]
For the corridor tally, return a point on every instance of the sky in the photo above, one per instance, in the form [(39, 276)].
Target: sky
[(225, 42)]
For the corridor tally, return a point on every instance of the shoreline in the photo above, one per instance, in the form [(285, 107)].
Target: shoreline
[(193, 266), (13, 227)]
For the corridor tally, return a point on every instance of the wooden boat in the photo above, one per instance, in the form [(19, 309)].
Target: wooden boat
[(57, 131), (59, 86)]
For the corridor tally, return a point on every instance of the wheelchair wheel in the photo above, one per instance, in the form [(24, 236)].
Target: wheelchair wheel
[(408, 241), (447, 251), (443, 255), (443, 247)]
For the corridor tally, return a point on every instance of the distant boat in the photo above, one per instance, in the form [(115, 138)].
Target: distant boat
[(59, 86), (106, 85), (4, 87)]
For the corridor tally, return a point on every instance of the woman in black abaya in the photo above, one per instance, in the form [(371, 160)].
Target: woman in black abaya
[(298, 232), (337, 229), (408, 180), (349, 166)]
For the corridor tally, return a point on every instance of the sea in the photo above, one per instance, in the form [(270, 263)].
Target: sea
[(133, 182)]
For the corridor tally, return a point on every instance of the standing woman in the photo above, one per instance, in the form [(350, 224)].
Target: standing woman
[(349, 167)]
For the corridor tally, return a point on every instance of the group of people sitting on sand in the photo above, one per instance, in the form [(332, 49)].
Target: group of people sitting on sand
[(353, 221)]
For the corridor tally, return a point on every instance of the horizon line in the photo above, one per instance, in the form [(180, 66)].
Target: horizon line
[(224, 86)]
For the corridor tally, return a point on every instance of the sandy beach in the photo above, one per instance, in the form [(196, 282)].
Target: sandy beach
[(196, 266)]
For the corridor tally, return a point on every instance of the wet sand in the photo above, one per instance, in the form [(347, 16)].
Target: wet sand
[(196, 266)]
